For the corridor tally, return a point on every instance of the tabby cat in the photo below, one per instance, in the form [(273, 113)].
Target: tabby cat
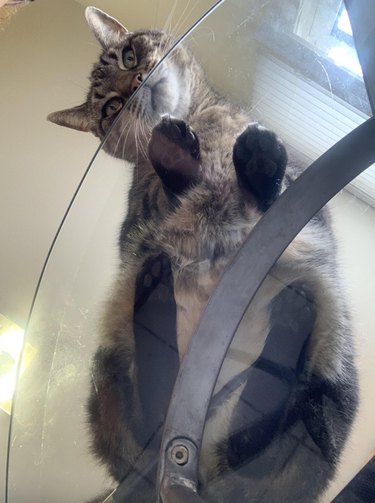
[(204, 176)]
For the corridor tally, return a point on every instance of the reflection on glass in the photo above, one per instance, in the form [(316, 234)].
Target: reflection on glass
[(11, 342), (202, 179), (326, 27)]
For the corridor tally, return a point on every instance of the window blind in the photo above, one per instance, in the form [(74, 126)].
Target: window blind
[(306, 116)]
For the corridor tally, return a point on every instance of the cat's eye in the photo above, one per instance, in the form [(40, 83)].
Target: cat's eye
[(129, 58), (112, 106)]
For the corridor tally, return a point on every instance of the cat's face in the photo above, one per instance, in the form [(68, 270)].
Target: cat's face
[(126, 61)]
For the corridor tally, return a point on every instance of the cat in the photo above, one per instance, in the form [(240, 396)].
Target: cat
[(204, 176)]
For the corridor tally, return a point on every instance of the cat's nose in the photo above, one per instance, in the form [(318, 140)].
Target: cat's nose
[(136, 81)]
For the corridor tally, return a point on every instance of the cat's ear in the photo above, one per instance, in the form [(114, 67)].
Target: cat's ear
[(106, 29), (74, 118)]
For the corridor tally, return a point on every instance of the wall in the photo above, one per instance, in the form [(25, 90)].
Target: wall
[(47, 51), (45, 54)]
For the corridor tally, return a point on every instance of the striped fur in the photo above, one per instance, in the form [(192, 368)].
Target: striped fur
[(199, 230)]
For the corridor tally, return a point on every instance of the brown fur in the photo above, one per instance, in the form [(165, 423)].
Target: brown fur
[(200, 230)]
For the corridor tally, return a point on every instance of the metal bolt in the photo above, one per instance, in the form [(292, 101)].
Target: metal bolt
[(180, 454)]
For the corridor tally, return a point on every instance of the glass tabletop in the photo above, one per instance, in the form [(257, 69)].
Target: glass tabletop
[(164, 206)]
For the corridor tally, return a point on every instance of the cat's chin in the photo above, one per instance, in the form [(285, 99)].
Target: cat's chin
[(165, 92), (144, 101), (147, 104)]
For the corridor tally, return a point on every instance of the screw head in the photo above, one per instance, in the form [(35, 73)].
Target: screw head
[(180, 454)]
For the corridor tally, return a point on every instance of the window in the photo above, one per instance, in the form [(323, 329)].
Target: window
[(343, 52)]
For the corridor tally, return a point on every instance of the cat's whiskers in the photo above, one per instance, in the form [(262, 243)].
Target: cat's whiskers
[(139, 144), (180, 20), (147, 125), (171, 56), (168, 21), (210, 33), (125, 126), (174, 35), (136, 143), (144, 140), (142, 126), (117, 144), (185, 15), (127, 135), (166, 44), (171, 35), (137, 136)]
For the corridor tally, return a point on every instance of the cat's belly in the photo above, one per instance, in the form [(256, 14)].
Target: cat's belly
[(251, 333), (247, 345), (192, 291)]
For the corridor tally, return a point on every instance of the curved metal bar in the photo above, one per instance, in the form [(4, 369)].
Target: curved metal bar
[(196, 380), (362, 19)]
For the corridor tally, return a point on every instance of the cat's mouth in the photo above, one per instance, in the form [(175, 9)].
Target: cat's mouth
[(153, 98), (158, 92), (150, 98), (144, 101)]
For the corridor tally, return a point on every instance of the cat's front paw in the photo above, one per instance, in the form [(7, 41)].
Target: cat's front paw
[(260, 160), (180, 133), (174, 153)]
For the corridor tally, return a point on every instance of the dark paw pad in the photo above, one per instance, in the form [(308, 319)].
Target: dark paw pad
[(260, 160), (180, 133), (174, 154)]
